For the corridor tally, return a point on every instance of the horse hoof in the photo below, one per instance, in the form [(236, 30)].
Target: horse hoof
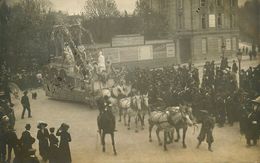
[(104, 150), (119, 120), (142, 128), (136, 131), (165, 149), (160, 144), (176, 140), (115, 154), (128, 128), (150, 140), (184, 146)]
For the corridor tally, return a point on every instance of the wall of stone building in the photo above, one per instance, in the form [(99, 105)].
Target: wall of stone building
[(172, 16), (187, 14), (196, 15), (214, 50)]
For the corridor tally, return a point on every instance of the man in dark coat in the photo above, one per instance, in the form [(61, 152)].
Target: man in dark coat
[(7, 92), (27, 140), (31, 158), (229, 101), (234, 67), (208, 124), (3, 133), (221, 113), (43, 137), (54, 149), (253, 127), (64, 148), (12, 142), (26, 105)]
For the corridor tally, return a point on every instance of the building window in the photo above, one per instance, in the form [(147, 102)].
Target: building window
[(219, 20), (203, 21), (180, 4), (232, 21), (233, 3), (219, 3), (202, 3), (163, 4), (234, 43), (228, 44), (220, 45), (181, 24), (204, 46)]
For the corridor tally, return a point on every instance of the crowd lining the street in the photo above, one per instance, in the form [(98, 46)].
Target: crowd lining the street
[(218, 93)]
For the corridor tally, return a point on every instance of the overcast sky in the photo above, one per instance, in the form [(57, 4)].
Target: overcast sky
[(76, 6)]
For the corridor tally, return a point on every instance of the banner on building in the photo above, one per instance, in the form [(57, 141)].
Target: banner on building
[(159, 51), (170, 49), (145, 53), (128, 54), (212, 21), (128, 40), (112, 54)]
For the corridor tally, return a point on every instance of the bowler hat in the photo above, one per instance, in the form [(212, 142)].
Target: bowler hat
[(52, 129), (27, 126)]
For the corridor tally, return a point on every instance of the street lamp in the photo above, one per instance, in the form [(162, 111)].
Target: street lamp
[(239, 58)]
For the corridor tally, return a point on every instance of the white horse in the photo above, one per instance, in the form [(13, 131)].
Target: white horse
[(167, 121)]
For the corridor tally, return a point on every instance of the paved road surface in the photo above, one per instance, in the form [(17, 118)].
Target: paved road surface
[(132, 147)]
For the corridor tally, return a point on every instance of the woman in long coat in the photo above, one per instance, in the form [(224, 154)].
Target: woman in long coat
[(64, 148), (54, 149), (43, 137)]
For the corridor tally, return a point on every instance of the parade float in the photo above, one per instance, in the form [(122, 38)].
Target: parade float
[(76, 72)]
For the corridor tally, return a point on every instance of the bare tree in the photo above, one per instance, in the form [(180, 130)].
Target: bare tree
[(101, 8)]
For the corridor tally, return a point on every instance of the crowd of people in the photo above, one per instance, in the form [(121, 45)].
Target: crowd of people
[(219, 92), (24, 78), (50, 147)]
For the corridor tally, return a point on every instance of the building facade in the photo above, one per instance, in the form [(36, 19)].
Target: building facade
[(200, 29)]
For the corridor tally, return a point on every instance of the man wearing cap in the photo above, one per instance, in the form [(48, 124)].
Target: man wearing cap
[(26, 105), (206, 130), (27, 140), (253, 123)]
